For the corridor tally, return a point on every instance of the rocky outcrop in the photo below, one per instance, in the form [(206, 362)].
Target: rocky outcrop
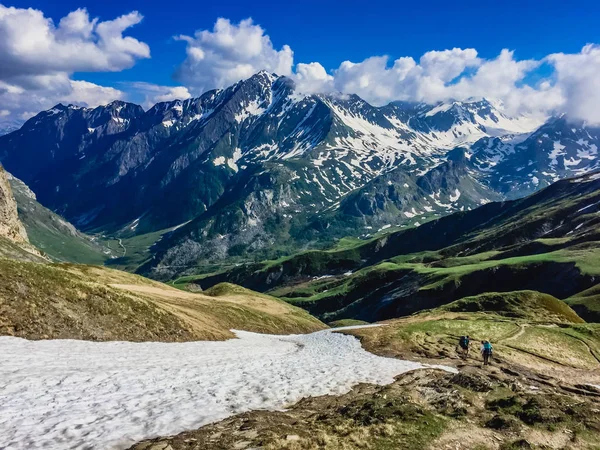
[(10, 225)]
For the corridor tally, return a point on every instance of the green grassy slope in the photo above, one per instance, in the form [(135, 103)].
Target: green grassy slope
[(530, 305), (587, 303), (52, 234), (535, 343), (547, 242), (20, 251)]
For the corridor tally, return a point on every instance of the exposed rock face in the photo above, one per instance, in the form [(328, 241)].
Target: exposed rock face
[(10, 225), (260, 169)]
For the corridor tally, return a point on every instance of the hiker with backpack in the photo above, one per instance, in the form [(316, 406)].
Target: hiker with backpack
[(463, 343), (486, 352)]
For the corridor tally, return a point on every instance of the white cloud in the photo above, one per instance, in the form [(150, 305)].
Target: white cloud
[(38, 57), (154, 93), (173, 93), (442, 75), (32, 44), (573, 86), (85, 93), (376, 82), (229, 53), (578, 80), (313, 78), (21, 104)]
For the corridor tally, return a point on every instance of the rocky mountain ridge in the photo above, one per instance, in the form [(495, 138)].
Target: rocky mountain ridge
[(260, 165)]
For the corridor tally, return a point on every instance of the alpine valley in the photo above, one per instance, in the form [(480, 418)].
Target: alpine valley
[(315, 262), (260, 170)]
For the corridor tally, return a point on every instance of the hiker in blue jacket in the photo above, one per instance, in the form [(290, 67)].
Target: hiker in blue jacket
[(486, 352), (463, 343)]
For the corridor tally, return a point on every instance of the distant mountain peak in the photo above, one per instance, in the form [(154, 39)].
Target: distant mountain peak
[(259, 159)]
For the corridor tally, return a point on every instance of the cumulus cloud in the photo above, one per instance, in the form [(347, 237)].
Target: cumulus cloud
[(32, 44), (154, 93), (229, 53), (313, 78), (578, 82), (444, 75), (23, 104), (85, 93), (38, 57)]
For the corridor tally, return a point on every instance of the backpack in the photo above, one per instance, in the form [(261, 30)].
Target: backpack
[(464, 342), (487, 346)]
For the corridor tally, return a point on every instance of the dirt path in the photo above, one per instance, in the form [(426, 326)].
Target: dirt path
[(123, 247), (517, 335), (588, 348)]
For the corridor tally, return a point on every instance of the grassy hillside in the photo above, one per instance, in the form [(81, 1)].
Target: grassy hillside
[(548, 242), (52, 234), (530, 305), (43, 301), (20, 251), (545, 346), (587, 303)]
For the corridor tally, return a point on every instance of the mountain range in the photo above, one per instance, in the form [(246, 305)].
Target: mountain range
[(444, 220), (545, 242), (261, 169)]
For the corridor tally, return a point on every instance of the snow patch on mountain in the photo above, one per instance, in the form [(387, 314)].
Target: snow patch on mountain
[(113, 394), (556, 152), (253, 108)]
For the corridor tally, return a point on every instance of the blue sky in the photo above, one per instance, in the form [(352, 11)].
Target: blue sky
[(533, 57), (333, 31)]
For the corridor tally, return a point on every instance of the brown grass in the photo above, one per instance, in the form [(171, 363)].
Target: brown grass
[(42, 301)]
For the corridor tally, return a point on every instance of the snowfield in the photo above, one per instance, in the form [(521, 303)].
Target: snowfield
[(67, 394)]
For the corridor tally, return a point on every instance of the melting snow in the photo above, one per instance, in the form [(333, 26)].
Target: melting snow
[(556, 152), (134, 224), (455, 197), (438, 109), (78, 394), (587, 207), (231, 162), (322, 277), (587, 179), (253, 109), (176, 227), (219, 161)]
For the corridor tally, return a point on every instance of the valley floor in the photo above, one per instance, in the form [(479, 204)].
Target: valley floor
[(110, 395)]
